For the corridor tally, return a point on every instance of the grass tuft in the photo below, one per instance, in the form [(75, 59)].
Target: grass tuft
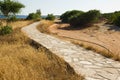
[(43, 26)]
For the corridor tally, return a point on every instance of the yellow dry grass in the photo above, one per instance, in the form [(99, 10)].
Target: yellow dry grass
[(94, 47), (21, 61), (21, 23), (17, 24), (43, 26)]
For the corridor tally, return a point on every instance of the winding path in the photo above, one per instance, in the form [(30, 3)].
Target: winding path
[(85, 62)]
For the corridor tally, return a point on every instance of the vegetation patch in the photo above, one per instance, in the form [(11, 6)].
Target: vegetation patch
[(43, 26), (79, 18), (113, 18), (50, 17), (5, 30), (23, 59), (34, 16), (65, 17)]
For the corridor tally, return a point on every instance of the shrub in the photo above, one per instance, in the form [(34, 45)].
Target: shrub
[(115, 18), (117, 21), (65, 17), (112, 17), (5, 30), (33, 16), (85, 18), (12, 19), (50, 17), (107, 16)]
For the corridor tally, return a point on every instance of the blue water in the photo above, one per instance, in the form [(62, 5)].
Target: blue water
[(18, 16), (24, 16)]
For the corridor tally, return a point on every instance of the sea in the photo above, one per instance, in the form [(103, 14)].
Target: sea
[(18, 16), (24, 16)]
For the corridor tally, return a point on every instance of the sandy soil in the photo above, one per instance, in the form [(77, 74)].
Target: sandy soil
[(105, 35)]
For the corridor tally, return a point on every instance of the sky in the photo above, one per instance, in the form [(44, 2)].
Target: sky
[(57, 7)]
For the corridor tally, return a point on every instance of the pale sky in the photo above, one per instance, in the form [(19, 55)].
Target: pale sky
[(58, 7)]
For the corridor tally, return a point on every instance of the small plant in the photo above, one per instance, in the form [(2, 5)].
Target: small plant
[(12, 19), (5, 30)]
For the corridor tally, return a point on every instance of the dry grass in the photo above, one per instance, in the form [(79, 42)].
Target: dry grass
[(17, 24), (43, 26), (21, 61), (96, 48), (21, 23)]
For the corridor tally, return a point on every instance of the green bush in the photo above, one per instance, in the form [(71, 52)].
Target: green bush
[(65, 17), (5, 30), (106, 15), (50, 17), (113, 18), (85, 18), (12, 19), (33, 16), (117, 21)]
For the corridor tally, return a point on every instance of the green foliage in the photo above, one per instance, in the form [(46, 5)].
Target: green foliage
[(65, 17), (12, 19), (5, 30), (9, 7), (117, 21), (50, 17), (106, 15), (34, 16), (113, 18), (38, 12), (85, 18)]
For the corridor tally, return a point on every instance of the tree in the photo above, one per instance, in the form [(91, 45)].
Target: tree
[(38, 12), (34, 16), (50, 17), (10, 7)]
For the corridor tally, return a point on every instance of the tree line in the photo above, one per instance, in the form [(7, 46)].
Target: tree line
[(77, 18)]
